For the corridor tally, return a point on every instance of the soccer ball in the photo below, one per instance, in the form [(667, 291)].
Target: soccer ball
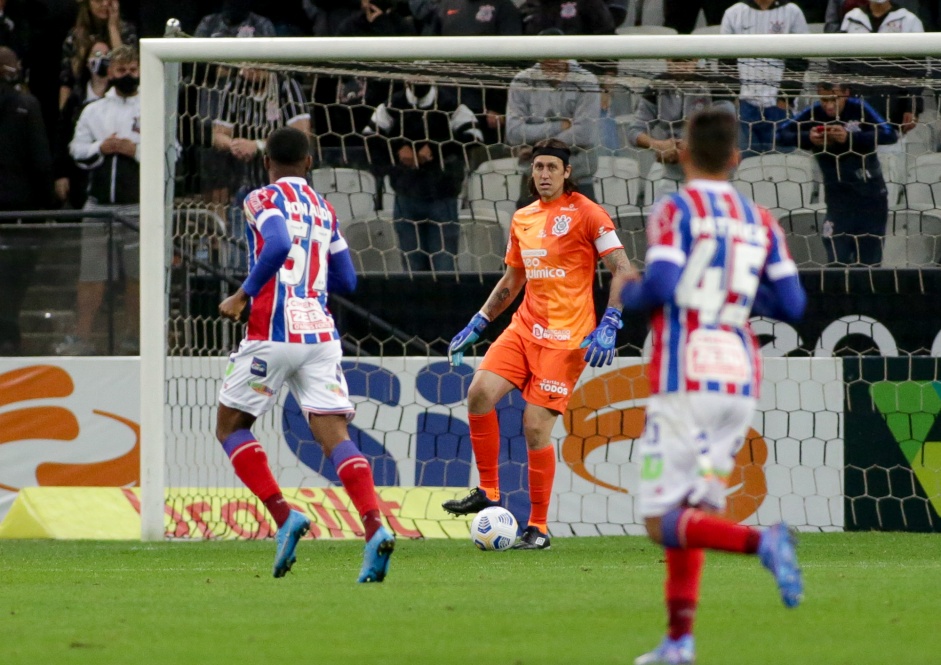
[(493, 529)]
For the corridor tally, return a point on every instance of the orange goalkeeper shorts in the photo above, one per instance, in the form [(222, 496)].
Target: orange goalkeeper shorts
[(545, 376)]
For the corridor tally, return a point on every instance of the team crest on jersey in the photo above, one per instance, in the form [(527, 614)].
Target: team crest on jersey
[(485, 13), (135, 126), (568, 10), (777, 27), (560, 225)]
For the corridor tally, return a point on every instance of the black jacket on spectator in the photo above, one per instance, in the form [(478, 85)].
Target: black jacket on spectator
[(572, 17), (434, 119), (25, 159), (63, 164), (15, 30), (326, 16)]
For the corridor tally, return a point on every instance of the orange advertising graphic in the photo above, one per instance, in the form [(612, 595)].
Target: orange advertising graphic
[(592, 424), (26, 422)]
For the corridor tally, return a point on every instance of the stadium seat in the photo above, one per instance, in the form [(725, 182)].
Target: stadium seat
[(777, 181), (708, 30), (482, 244), (802, 229), (495, 185), (374, 246), (656, 186), (895, 173), (922, 138), (631, 229), (816, 28), (923, 189), (913, 239), (351, 192), (617, 184)]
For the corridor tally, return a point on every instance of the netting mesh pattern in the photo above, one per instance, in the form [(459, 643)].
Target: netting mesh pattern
[(411, 423), (411, 420)]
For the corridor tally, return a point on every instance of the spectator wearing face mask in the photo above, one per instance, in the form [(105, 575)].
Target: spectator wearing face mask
[(72, 181), (107, 144), (97, 20), (25, 184), (235, 19)]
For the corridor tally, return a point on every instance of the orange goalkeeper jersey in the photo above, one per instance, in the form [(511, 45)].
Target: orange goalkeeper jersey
[(559, 244)]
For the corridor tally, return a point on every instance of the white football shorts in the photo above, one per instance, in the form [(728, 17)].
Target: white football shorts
[(256, 372), (686, 433)]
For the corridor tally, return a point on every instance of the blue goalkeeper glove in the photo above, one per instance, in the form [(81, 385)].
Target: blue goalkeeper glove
[(464, 339), (600, 342)]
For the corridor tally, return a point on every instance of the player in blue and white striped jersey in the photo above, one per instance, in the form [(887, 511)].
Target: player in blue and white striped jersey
[(714, 258), (297, 253)]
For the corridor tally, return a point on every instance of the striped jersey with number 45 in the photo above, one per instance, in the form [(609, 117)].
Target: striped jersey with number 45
[(725, 246), (292, 306)]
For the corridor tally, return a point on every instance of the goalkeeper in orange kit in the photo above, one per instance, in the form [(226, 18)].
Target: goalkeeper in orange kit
[(554, 247)]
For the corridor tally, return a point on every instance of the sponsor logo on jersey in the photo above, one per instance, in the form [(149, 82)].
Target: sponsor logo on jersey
[(485, 13), (548, 333), (543, 273), (527, 253), (257, 200), (555, 388), (560, 225), (260, 388), (259, 367)]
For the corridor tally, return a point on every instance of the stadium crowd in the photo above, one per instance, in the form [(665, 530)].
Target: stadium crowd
[(58, 61)]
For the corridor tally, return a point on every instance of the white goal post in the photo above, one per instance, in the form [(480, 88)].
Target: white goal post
[(160, 60)]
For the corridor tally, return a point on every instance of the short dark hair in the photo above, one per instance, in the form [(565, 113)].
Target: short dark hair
[(711, 137), (569, 185), (287, 146), (831, 86)]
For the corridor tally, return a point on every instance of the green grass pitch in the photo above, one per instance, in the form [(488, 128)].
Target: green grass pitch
[(871, 598)]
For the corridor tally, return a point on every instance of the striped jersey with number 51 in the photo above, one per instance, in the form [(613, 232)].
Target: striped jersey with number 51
[(724, 244), (292, 307)]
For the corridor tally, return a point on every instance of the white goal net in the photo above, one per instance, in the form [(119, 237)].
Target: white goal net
[(616, 96)]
